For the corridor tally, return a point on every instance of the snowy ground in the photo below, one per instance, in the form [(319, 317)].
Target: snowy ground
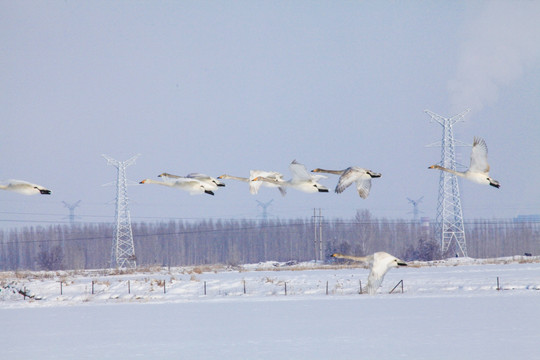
[(449, 310)]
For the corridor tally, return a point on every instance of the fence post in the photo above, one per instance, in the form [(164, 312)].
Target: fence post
[(285, 289), (92, 287), (326, 287), (498, 287), (129, 287), (164, 286), (361, 291), (400, 282), (244, 287), (205, 288), (61, 289)]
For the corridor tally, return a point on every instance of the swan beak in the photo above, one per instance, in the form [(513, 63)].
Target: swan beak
[(401, 263), (431, 167), (256, 179), (142, 182), (45, 192), (315, 170), (220, 177)]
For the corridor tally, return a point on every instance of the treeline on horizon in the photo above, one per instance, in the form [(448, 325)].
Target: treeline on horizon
[(233, 242)]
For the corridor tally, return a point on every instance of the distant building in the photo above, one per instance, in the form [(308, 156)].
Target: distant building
[(533, 218)]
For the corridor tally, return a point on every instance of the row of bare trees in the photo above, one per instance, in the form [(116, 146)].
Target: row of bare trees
[(177, 243)]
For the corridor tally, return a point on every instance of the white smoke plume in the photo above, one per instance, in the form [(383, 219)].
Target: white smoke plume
[(500, 45)]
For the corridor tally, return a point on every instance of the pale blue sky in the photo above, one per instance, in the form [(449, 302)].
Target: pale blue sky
[(225, 87)]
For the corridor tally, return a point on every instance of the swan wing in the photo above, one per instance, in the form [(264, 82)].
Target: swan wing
[(13, 182), (198, 176), (299, 172), (213, 182), (192, 185), (379, 268), (363, 186), (267, 174), (254, 186), (479, 153), (186, 181), (355, 175), (168, 176), (318, 177)]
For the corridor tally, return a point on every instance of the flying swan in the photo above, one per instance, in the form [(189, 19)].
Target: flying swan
[(24, 187), (379, 264), (211, 183), (478, 170), (354, 174), (301, 179), (193, 186), (254, 186)]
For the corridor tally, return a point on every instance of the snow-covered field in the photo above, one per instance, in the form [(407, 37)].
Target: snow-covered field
[(448, 310)]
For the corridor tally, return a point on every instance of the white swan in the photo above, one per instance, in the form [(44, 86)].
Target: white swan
[(478, 170), (212, 183), (354, 174), (301, 179), (193, 186), (379, 264), (24, 187), (254, 186)]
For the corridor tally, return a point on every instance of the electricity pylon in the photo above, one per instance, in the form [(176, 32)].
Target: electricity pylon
[(71, 208), (449, 221), (123, 251), (415, 211), (264, 207)]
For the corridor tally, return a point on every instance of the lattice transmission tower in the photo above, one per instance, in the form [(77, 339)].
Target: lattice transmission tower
[(71, 208), (123, 251), (265, 208), (416, 211), (449, 221)]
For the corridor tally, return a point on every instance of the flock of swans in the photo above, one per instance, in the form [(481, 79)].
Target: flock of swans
[(302, 180)]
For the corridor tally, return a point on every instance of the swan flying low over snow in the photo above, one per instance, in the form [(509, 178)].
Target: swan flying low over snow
[(478, 170), (379, 264), (24, 187), (354, 174), (301, 179)]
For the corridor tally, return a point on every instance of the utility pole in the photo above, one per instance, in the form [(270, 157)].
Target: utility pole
[(318, 239), (449, 219), (123, 250)]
